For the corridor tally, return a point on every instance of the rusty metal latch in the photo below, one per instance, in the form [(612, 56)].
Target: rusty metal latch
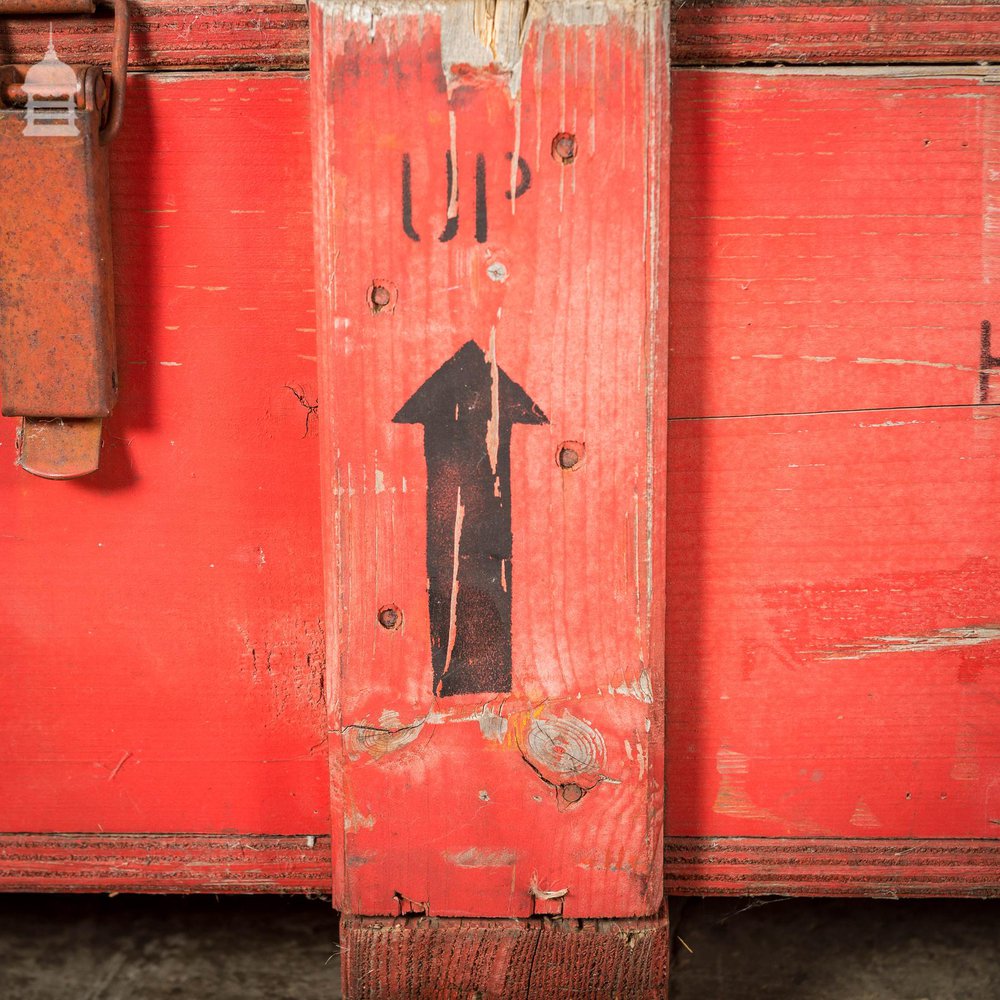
[(57, 343)]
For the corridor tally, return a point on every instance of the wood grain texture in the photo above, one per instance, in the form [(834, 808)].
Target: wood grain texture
[(731, 32), (479, 803), (274, 34), (739, 866), (801, 866), (161, 630), (165, 35), (416, 958), (832, 585), (772, 554), (164, 863)]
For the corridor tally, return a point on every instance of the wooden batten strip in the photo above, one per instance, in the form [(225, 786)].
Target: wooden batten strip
[(274, 34)]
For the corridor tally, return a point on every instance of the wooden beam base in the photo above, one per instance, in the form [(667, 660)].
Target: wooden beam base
[(540, 958)]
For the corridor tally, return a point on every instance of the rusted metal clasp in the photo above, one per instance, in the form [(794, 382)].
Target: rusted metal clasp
[(57, 344)]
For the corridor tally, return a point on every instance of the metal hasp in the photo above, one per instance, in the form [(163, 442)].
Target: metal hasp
[(57, 343)]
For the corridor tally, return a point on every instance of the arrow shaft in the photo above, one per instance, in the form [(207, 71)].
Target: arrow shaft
[(469, 565)]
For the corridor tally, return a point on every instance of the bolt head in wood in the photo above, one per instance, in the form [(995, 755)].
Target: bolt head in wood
[(570, 455), (564, 148), (390, 617)]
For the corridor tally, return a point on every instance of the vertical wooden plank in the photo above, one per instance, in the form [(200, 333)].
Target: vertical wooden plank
[(489, 181)]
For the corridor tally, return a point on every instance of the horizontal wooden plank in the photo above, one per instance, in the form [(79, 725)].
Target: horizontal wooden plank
[(161, 628), (883, 869), (731, 32), (274, 34), (833, 625), (266, 34), (164, 863), (738, 866), (833, 240)]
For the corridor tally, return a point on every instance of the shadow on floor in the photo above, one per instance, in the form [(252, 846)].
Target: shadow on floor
[(836, 949), (154, 947), (284, 948)]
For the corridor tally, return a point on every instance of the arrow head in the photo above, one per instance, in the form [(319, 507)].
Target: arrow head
[(464, 383)]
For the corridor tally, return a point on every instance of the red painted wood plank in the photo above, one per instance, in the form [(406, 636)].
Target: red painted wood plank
[(833, 625), (266, 34), (481, 800), (273, 34), (801, 866), (833, 241), (164, 863), (740, 866), (730, 32), (162, 639), (831, 591), (505, 959)]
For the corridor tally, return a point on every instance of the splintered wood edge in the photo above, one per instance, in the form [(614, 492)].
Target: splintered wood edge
[(274, 35)]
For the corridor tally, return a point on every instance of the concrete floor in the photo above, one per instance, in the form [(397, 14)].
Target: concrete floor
[(274, 948)]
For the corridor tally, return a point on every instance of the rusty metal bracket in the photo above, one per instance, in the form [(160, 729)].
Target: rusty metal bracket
[(57, 345)]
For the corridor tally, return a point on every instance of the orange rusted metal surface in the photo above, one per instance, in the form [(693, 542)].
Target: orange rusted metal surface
[(57, 348), (46, 7)]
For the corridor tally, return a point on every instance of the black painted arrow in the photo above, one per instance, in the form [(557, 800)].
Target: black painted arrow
[(468, 407)]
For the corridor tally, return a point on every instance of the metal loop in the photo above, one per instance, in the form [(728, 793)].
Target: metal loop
[(119, 69), (119, 53)]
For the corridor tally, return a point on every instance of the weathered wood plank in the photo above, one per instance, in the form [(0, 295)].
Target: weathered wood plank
[(502, 741), (731, 32), (833, 240), (107, 862), (416, 958), (802, 866), (738, 866), (274, 34), (161, 633)]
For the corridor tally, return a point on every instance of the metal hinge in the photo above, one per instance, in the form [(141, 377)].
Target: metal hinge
[(57, 344)]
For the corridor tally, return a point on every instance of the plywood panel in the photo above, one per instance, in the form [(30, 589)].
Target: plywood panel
[(833, 625), (161, 632), (834, 241)]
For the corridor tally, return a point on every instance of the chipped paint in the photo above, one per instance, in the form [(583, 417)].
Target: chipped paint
[(477, 857), (378, 740), (863, 816), (492, 725), (563, 749), (732, 797), (453, 613), (942, 639), (481, 34), (640, 688)]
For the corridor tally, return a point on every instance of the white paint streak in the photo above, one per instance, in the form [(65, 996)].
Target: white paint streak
[(453, 614), (945, 638), (641, 688)]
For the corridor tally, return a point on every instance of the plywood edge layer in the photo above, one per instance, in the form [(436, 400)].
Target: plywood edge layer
[(735, 866), (164, 863), (887, 869), (274, 34)]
